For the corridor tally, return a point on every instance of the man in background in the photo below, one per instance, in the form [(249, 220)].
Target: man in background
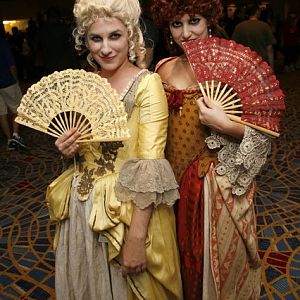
[(10, 94), (256, 35)]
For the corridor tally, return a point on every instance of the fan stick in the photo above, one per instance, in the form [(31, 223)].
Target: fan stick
[(95, 140), (202, 90), (262, 129), (66, 121), (52, 132), (233, 112), (212, 90), (221, 93), (234, 101), (82, 127), (86, 130), (61, 121), (86, 137), (217, 91), (233, 107), (74, 118), (207, 89), (227, 99), (78, 123), (230, 106), (224, 98), (60, 129), (70, 119)]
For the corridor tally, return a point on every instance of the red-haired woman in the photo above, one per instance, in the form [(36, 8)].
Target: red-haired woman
[(215, 160)]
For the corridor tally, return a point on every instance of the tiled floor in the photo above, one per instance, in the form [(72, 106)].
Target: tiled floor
[(26, 257), (278, 204)]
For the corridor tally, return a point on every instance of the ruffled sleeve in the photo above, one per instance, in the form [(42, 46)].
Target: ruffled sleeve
[(240, 162), (148, 178), (147, 182)]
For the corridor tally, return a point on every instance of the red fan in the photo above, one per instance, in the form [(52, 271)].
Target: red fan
[(239, 81)]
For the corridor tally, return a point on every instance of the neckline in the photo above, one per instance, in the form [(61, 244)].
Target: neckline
[(190, 89), (130, 83)]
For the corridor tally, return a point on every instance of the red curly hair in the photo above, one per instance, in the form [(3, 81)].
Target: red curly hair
[(166, 10)]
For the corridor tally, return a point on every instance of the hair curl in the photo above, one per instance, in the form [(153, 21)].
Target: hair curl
[(166, 10), (86, 12)]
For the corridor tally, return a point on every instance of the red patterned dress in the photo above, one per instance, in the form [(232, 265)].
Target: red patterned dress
[(215, 213)]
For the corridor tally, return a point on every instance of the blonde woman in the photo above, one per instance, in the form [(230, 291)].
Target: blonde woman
[(118, 240)]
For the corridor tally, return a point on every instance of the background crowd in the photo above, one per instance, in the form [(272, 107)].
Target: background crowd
[(46, 45)]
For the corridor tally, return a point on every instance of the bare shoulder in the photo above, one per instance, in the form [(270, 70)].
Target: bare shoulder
[(165, 68), (178, 73)]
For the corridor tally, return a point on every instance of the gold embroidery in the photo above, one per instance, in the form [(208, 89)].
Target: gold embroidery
[(109, 155), (86, 183)]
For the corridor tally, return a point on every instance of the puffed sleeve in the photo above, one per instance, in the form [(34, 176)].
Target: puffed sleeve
[(148, 178)]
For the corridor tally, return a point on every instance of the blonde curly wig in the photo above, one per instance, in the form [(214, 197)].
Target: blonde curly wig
[(127, 11)]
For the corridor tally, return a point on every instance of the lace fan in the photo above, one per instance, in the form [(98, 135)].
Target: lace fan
[(74, 98), (237, 79)]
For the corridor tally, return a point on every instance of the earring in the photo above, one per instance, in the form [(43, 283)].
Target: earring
[(209, 29), (171, 40)]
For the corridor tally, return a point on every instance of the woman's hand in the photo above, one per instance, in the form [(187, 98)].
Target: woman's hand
[(211, 115), (66, 143), (134, 255), (134, 259), (214, 117)]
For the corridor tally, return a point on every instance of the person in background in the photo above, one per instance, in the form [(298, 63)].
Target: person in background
[(56, 44), (155, 47), (118, 238), (239, 16), (10, 94), (216, 221), (256, 34), (291, 42)]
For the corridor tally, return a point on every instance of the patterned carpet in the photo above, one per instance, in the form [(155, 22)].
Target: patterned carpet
[(26, 257)]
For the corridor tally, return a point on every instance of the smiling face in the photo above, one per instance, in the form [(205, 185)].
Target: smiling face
[(107, 41), (188, 28)]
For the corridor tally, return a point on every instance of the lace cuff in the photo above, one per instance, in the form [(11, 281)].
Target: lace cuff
[(240, 162), (147, 181)]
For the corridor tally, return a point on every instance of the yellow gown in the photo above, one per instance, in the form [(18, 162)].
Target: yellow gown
[(93, 202)]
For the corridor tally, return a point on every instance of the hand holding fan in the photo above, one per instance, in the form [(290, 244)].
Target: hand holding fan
[(75, 98), (237, 79)]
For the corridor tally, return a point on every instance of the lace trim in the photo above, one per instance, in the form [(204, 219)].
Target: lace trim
[(146, 182), (128, 95), (240, 162)]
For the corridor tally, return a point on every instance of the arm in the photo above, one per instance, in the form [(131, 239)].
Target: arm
[(134, 251), (10, 60), (13, 71), (147, 180), (215, 118)]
